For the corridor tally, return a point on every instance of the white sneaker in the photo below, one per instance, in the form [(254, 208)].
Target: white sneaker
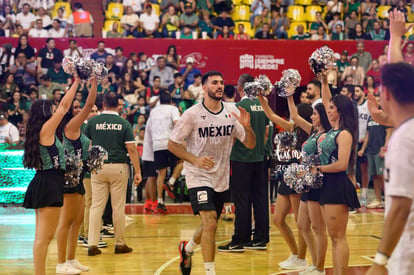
[(295, 264), (76, 264), (66, 269), (290, 259), (128, 219), (316, 272), (308, 270)]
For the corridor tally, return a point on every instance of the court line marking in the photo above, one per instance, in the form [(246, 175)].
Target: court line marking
[(166, 264)]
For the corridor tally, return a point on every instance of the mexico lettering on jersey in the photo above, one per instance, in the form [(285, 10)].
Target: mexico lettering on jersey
[(363, 115), (108, 126), (209, 134)]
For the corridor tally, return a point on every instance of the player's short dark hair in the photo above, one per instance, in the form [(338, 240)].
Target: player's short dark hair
[(398, 78), (49, 39), (351, 89), (358, 86), (56, 90), (229, 91), (245, 78), (316, 82), (99, 101), (156, 77), (177, 75), (208, 74), (165, 98), (111, 99)]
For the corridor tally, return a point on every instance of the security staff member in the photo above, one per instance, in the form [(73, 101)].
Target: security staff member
[(115, 135), (82, 21)]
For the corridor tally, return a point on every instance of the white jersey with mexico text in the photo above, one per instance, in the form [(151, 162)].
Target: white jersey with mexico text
[(399, 175), (363, 115), (162, 123), (316, 102), (209, 134), (147, 152)]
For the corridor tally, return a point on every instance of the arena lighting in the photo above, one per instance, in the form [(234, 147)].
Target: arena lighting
[(14, 178)]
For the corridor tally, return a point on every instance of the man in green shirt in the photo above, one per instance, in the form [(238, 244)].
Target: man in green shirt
[(115, 135), (248, 185), (301, 35)]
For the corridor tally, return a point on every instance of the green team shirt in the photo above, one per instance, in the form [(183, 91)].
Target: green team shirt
[(111, 132), (259, 121)]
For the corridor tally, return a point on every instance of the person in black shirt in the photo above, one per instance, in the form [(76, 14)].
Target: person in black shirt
[(47, 56), (264, 33), (23, 46)]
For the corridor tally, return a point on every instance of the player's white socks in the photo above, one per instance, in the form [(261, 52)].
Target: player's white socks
[(190, 246), (161, 200), (172, 180), (364, 192), (210, 268)]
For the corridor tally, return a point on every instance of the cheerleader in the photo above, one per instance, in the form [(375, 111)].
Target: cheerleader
[(310, 212), (287, 198), (76, 144), (44, 152), (337, 152)]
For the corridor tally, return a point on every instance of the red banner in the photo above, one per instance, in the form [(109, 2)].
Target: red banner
[(230, 57)]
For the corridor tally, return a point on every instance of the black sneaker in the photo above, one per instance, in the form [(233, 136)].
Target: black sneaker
[(231, 247), (101, 243), (81, 238), (106, 234), (161, 208), (169, 189), (255, 245), (185, 259)]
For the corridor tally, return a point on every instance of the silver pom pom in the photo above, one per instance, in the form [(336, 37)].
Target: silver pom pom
[(261, 84), (287, 84), (86, 68), (74, 166), (96, 158), (321, 60), (285, 139)]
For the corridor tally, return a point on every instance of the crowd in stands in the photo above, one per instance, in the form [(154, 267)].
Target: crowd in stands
[(214, 19)]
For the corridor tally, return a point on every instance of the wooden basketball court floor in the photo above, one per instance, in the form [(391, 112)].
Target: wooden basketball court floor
[(155, 239)]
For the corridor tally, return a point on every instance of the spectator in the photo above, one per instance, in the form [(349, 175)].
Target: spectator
[(46, 4), (153, 91), (314, 27), (280, 24), (188, 17), (165, 4), (367, 6), (112, 68), (105, 86), (136, 5), (38, 31), (46, 21), (6, 58), (130, 23), (377, 33), (25, 18), (133, 56), (368, 20), (333, 7), (264, 33), (8, 18), (145, 65), (149, 22), (342, 63), (57, 75), (73, 50), (114, 32), (356, 71), (383, 58), (189, 72), (61, 18), (223, 5), (47, 55), (57, 96), (176, 89), (187, 101), (278, 6), (172, 58), (351, 23), (301, 35), (33, 96), (370, 85), (185, 3), (304, 98), (186, 33), (24, 70), (320, 34), (339, 33), (408, 54), (359, 34), (196, 89), (18, 31), (16, 108), (165, 73), (170, 22), (375, 72), (348, 91), (261, 19), (7, 89), (225, 34), (134, 74), (364, 57), (336, 21), (119, 58), (241, 33), (257, 8), (100, 54), (21, 126), (127, 89), (205, 5), (81, 21), (352, 6), (47, 87), (9, 133), (205, 24), (56, 31)]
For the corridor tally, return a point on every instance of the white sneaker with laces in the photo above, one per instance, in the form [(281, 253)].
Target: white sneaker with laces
[(66, 269), (308, 270), (76, 264), (316, 272), (288, 260), (296, 264)]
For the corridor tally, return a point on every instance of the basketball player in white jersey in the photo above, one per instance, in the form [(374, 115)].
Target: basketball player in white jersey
[(397, 99), (209, 129)]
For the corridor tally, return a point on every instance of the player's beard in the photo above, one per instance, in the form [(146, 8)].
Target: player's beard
[(212, 95), (310, 96)]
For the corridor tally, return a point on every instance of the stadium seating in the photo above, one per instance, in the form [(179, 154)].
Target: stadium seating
[(382, 11), (292, 29), (303, 2), (410, 15), (114, 11), (65, 6), (311, 13), (296, 13), (156, 8), (241, 13)]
